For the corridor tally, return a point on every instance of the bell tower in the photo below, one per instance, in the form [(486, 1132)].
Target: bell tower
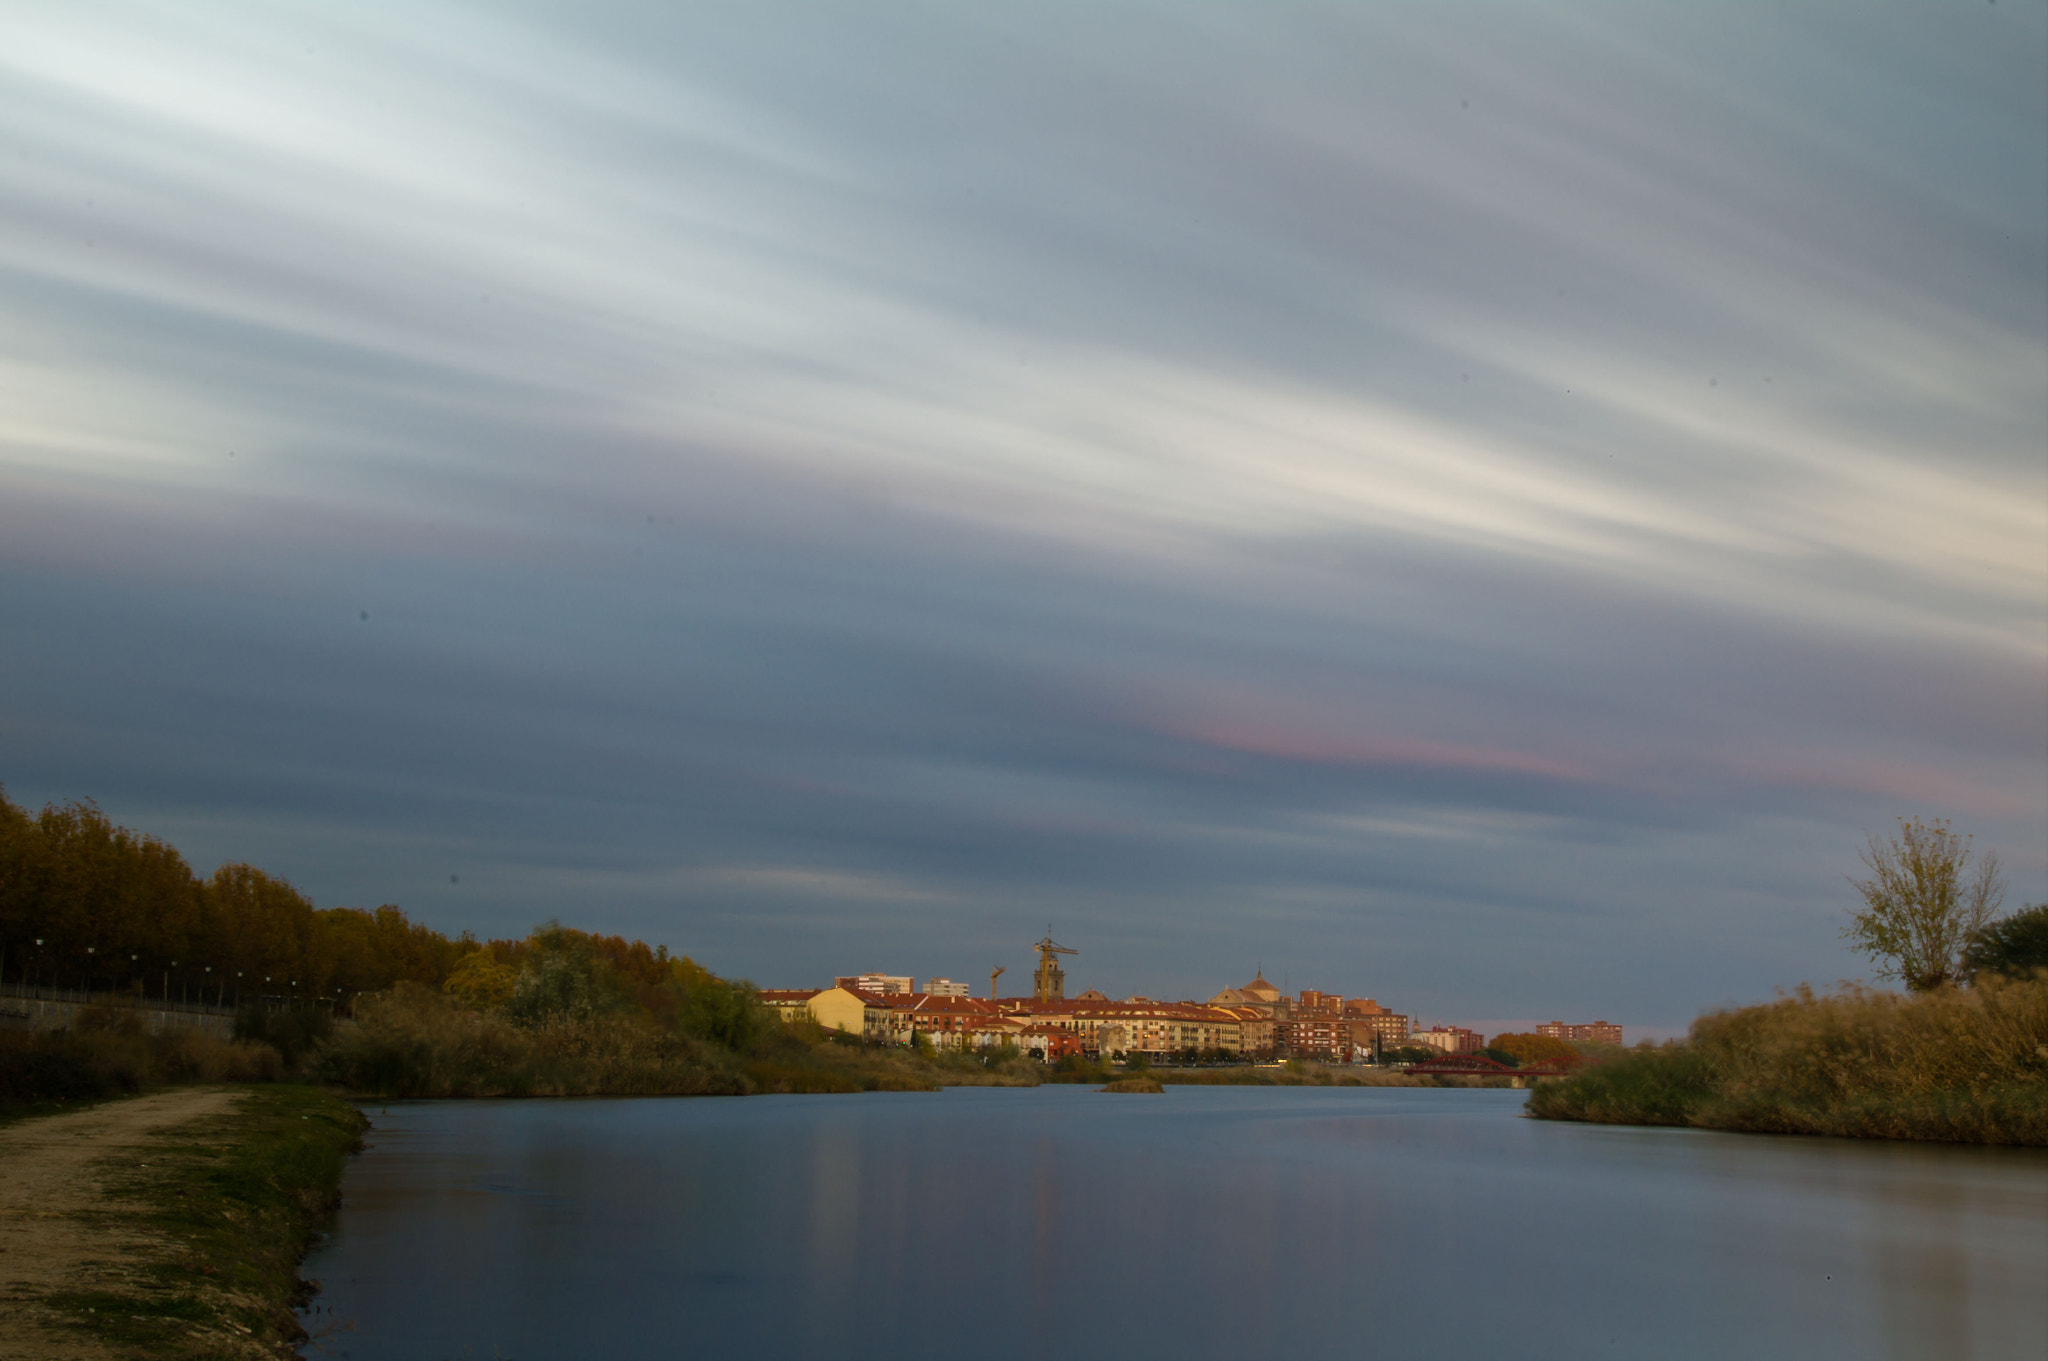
[(1049, 982)]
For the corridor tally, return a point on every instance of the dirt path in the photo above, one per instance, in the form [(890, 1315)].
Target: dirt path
[(48, 1186)]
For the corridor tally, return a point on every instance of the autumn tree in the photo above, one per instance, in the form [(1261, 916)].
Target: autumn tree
[(480, 982), (1928, 893), (1528, 1048)]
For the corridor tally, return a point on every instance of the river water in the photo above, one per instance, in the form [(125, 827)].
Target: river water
[(1208, 1222)]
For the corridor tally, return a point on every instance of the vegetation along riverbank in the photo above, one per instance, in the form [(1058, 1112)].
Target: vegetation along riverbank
[(1962, 1065), (168, 1225)]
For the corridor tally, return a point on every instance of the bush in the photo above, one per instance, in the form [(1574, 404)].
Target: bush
[(2013, 947), (37, 1067), (292, 1032), (413, 1041), (1643, 1087), (107, 1053)]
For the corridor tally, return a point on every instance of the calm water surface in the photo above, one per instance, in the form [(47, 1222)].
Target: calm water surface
[(1218, 1222)]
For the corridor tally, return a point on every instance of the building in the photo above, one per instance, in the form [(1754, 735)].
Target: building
[(1449, 1039), (885, 985), (1155, 1029), (851, 1012), (948, 1022), (1373, 1027), (1595, 1032), (1048, 1044), (1257, 993), (945, 987), (1254, 1029), (1313, 1027), (789, 1003)]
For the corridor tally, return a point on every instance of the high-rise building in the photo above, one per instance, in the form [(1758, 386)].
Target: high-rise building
[(945, 987), (882, 984)]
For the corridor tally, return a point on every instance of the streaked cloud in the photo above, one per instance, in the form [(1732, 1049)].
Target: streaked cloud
[(797, 481)]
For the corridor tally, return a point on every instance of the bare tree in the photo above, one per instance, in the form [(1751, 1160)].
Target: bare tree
[(1922, 903)]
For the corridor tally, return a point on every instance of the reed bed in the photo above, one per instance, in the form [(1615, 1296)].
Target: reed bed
[(414, 1042), (1950, 1065)]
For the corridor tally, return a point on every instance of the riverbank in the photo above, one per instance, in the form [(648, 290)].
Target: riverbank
[(166, 1225), (1951, 1066)]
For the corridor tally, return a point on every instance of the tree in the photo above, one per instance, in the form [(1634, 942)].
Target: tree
[(1922, 903), (1525, 1047), (479, 981), (2014, 946)]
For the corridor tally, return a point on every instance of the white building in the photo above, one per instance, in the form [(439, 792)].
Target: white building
[(945, 987), (882, 984)]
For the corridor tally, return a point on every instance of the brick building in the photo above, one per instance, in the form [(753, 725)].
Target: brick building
[(1595, 1032)]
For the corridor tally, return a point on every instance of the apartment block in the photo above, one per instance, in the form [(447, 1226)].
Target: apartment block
[(1594, 1032), (1389, 1028), (1449, 1039), (1314, 1027), (881, 984), (945, 987)]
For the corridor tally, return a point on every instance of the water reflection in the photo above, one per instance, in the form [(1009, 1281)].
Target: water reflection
[(1198, 1224)]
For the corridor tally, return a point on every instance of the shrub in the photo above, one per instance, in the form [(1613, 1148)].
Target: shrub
[(106, 1052), (292, 1032), (2013, 947), (413, 1041), (1951, 1065)]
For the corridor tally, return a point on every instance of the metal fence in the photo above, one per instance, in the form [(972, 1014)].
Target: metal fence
[(83, 997)]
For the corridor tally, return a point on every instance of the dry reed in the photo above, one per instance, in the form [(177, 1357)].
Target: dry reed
[(1952, 1065)]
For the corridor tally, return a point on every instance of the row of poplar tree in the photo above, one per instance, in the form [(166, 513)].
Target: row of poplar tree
[(87, 904)]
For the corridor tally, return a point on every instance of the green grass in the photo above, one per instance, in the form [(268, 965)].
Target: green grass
[(1310, 1075), (236, 1201)]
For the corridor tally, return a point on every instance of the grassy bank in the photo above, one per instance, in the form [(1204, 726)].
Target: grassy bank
[(412, 1042), (1293, 1074), (231, 1205), (1956, 1066), (1306, 1075)]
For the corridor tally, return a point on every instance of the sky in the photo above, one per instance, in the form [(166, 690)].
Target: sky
[(1486, 507)]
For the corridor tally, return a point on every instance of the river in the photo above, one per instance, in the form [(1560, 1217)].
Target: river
[(1208, 1222)]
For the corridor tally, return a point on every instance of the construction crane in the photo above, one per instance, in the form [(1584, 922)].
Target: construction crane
[(1049, 984), (993, 974)]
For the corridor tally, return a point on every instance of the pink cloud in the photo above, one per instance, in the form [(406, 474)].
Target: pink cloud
[(1317, 745)]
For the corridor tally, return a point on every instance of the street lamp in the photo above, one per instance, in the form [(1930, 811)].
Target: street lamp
[(88, 973), (203, 982), (36, 979)]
